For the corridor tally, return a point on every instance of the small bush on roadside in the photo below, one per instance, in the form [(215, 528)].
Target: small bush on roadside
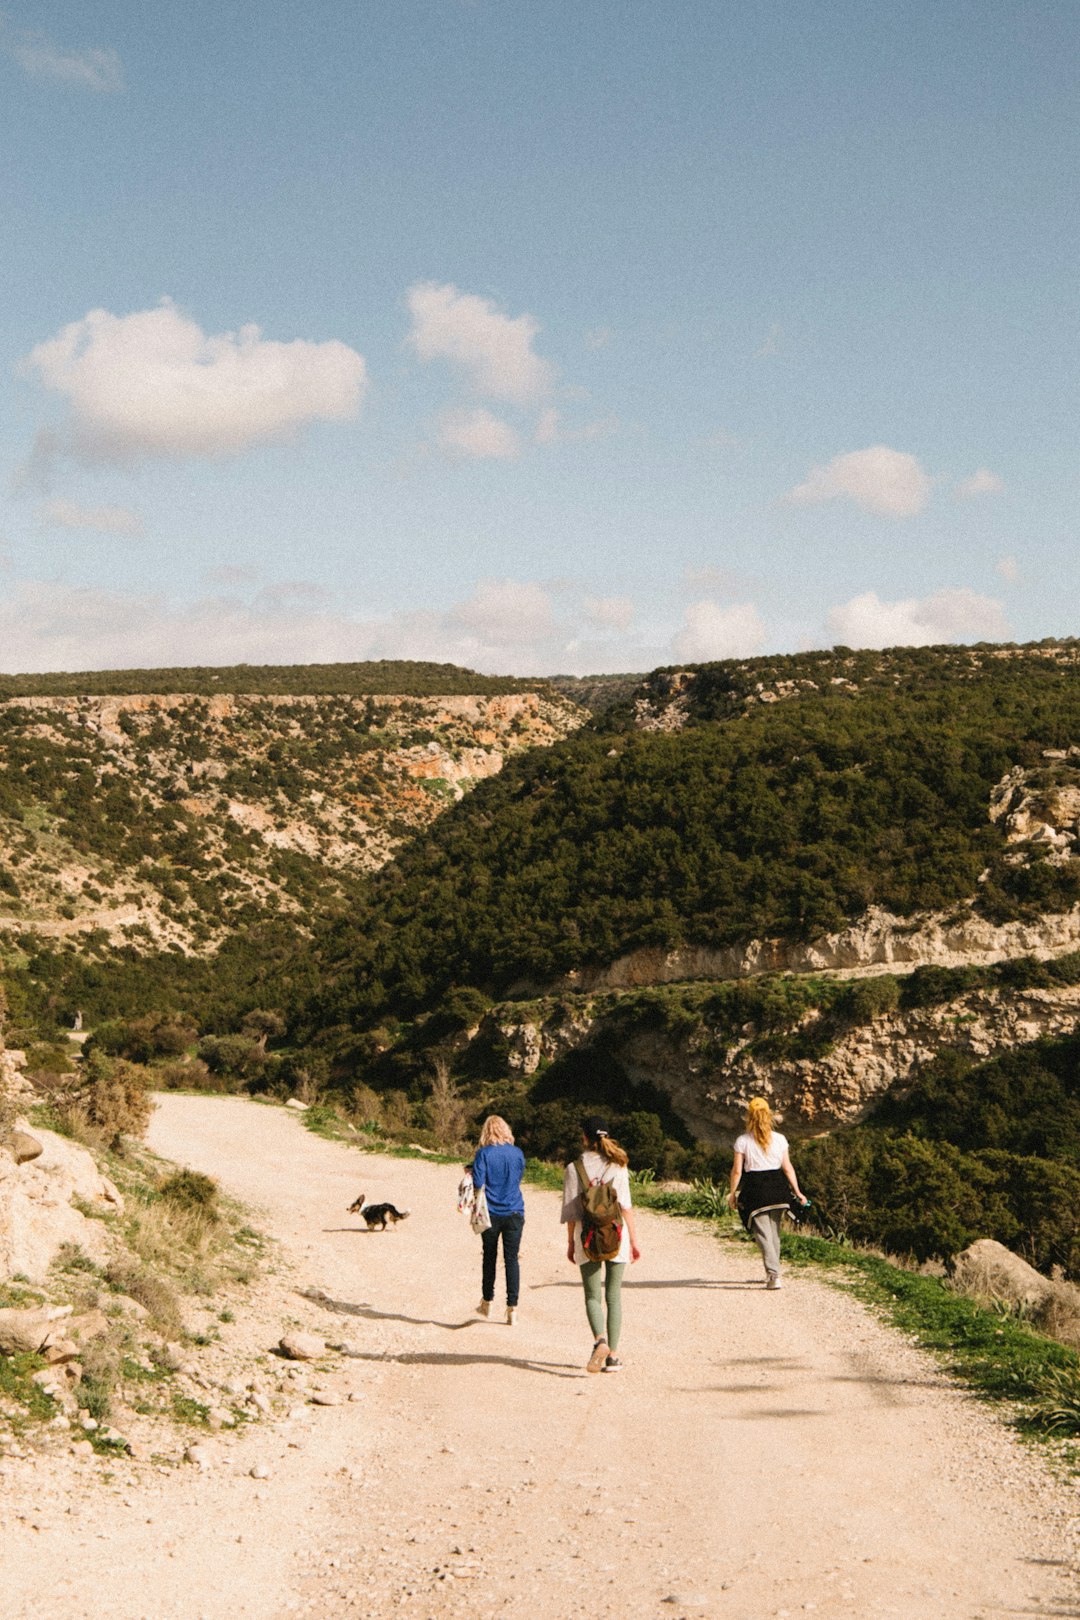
[(396, 1112), (1058, 1315), (1056, 1407), (94, 1393), (111, 1101), (190, 1076), (234, 1057), (140, 1040), (365, 1105), (446, 1110), (192, 1190)]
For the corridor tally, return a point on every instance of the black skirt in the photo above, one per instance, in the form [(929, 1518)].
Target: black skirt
[(760, 1190)]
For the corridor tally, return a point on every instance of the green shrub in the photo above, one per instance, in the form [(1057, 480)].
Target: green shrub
[(191, 1190)]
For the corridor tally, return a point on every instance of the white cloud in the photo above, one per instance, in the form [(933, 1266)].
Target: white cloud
[(93, 68), (504, 625), (610, 612), (154, 384), (982, 482), (64, 514), (551, 429), (946, 615), (1009, 569), (478, 434), (504, 611), (495, 350), (714, 631), (888, 482)]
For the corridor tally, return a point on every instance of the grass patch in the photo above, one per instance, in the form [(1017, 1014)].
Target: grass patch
[(93, 1392), (990, 1350), (71, 1259), (186, 1409), (538, 1173), (324, 1121), (17, 1384), (20, 1296), (151, 1290)]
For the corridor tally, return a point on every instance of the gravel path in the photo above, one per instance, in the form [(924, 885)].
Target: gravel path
[(763, 1454)]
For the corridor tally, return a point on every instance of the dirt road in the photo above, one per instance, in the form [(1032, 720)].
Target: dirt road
[(762, 1454)]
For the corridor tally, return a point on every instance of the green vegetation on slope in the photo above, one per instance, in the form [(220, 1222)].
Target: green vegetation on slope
[(785, 820), (397, 676), (969, 1150)]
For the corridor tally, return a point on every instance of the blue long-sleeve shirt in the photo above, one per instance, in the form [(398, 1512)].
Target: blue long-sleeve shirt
[(499, 1169)]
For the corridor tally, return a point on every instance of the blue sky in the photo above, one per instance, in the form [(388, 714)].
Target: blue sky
[(575, 335)]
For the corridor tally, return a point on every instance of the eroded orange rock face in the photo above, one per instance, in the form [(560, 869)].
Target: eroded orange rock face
[(242, 789)]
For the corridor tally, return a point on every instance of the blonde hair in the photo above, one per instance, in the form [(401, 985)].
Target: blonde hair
[(610, 1150), (759, 1121), (495, 1130)]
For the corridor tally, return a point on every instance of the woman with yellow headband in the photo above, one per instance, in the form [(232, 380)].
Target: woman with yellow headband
[(763, 1180)]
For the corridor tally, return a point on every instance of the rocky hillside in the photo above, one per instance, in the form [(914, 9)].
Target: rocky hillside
[(737, 880), (174, 819), (701, 832)]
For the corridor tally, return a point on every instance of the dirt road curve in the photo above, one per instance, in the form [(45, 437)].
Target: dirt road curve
[(763, 1454)]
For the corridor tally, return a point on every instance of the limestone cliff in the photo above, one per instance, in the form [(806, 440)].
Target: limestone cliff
[(708, 1075), (877, 942), (169, 819)]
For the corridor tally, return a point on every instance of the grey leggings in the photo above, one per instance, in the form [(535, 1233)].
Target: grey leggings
[(612, 1296), (766, 1230)]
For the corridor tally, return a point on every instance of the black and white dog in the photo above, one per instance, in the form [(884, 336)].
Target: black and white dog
[(377, 1215)]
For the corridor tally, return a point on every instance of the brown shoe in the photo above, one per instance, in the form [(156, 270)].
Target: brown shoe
[(599, 1355)]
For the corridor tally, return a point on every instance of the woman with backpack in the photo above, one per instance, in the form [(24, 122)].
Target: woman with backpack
[(763, 1181), (599, 1220)]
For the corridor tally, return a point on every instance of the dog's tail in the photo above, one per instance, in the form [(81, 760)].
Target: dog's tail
[(399, 1214)]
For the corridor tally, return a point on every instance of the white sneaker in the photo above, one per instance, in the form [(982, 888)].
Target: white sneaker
[(484, 1308), (511, 1315), (772, 1280)]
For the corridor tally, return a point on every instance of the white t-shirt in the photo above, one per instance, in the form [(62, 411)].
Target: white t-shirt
[(597, 1167), (756, 1157)]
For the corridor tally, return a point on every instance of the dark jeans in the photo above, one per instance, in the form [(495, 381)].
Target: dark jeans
[(509, 1227)]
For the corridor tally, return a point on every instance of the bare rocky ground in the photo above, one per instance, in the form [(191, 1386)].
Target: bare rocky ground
[(763, 1454)]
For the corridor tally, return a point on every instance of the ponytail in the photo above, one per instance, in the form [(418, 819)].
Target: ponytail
[(609, 1149), (759, 1121)]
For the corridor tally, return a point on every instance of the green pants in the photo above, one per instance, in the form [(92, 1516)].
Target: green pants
[(594, 1305)]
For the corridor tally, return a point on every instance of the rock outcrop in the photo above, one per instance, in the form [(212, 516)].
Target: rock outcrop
[(38, 1212), (708, 1081), (878, 942), (988, 1270)]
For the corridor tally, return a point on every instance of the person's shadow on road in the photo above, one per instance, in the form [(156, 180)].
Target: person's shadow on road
[(348, 1307), (446, 1358)]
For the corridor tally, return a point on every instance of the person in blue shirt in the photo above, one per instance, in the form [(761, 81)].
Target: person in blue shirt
[(498, 1168)]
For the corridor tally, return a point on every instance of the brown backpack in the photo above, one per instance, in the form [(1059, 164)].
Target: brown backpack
[(601, 1216)]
